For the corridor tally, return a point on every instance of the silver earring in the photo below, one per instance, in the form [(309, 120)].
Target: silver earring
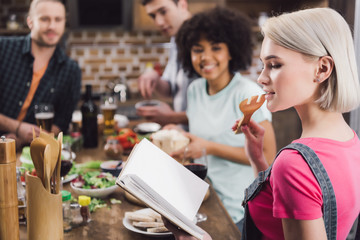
[(317, 80)]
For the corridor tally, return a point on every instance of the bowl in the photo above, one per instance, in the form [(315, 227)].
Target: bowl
[(109, 166), (97, 193), (147, 103), (147, 127)]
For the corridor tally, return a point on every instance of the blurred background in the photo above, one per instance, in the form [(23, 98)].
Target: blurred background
[(115, 40)]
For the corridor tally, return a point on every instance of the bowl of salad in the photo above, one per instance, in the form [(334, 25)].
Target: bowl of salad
[(94, 184)]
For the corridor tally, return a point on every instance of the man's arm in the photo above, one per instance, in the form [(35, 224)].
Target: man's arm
[(151, 81), (8, 124), (162, 114), (22, 130)]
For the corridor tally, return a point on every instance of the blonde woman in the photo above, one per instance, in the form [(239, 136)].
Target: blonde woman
[(309, 64)]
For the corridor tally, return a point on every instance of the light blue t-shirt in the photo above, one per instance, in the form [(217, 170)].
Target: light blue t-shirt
[(211, 118)]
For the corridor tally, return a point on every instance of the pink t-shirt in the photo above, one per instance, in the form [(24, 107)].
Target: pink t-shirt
[(293, 191)]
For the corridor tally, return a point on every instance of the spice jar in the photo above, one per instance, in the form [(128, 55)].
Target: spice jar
[(66, 197), (76, 218), (21, 192), (113, 149), (84, 202)]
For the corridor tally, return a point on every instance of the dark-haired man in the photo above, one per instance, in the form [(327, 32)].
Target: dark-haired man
[(168, 15), (33, 70)]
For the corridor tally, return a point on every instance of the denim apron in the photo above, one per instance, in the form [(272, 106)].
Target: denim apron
[(250, 231)]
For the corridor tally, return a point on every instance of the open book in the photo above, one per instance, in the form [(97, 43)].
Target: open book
[(164, 185)]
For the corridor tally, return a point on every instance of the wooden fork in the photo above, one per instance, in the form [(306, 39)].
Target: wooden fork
[(248, 108)]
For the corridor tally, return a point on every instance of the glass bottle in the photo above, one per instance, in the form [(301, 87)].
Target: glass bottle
[(89, 120), (21, 192), (66, 197), (84, 202)]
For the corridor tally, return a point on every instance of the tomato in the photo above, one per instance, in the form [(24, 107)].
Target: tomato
[(127, 138)]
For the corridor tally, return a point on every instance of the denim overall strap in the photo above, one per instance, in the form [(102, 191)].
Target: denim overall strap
[(329, 202), (250, 231)]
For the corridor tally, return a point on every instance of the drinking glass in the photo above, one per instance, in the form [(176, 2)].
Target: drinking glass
[(199, 167), (66, 164), (44, 116), (108, 107)]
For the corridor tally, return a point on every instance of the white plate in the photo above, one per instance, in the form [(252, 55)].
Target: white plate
[(147, 127), (148, 103), (69, 178), (127, 224)]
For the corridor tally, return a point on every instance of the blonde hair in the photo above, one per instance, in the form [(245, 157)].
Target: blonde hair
[(34, 3), (321, 32)]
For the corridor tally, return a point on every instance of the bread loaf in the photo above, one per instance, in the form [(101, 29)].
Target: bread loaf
[(169, 140)]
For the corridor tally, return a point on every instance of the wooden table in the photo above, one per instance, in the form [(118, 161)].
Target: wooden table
[(107, 223)]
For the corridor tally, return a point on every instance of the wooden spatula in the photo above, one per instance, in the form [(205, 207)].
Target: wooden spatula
[(58, 165), (248, 108), (47, 167), (37, 148)]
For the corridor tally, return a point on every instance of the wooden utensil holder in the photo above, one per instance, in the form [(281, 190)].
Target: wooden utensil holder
[(44, 211)]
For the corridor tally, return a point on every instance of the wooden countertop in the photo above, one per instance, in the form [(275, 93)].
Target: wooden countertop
[(107, 223)]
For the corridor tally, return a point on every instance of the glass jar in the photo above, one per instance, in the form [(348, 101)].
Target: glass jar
[(113, 149), (21, 192), (76, 218), (66, 197), (84, 202)]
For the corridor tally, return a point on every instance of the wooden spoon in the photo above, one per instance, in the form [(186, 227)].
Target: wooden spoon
[(47, 167), (54, 150), (58, 165), (248, 108), (37, 148)]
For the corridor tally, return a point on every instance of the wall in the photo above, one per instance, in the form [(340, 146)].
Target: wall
[(108, 55), (18, 7)]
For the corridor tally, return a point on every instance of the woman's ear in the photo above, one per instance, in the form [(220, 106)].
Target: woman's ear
[(325, 68)]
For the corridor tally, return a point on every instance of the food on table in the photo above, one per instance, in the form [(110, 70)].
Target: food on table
[(113, 167), (127, 138), (148, 220), (96, 203), (169, 140), (94, 180)]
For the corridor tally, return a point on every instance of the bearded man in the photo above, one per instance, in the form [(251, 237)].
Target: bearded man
[(33, 70)]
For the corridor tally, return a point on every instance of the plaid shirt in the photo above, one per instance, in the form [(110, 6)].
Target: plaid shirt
[(59, 86)]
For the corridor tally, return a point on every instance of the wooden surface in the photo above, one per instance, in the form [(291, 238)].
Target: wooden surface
[(107, 223)]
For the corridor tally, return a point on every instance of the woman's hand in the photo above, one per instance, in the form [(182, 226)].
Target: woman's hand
[(180, 234), (193, 150), (254, 135)]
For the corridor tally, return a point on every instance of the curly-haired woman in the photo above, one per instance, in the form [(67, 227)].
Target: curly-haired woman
[(216, 44)]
